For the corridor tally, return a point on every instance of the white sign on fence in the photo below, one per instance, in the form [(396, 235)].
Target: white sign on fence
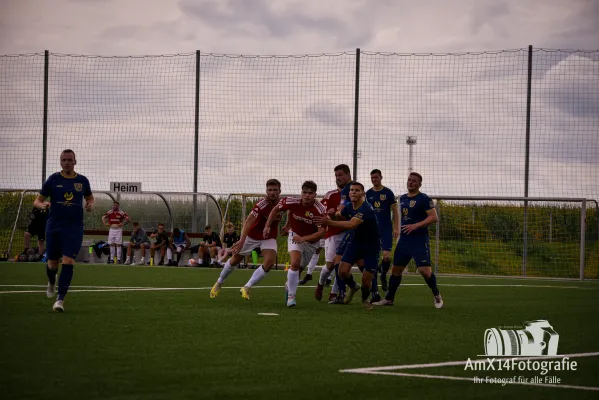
[(125, 187)]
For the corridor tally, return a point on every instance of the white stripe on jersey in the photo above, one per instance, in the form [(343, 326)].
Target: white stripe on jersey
[(320, 207), (328, 194)]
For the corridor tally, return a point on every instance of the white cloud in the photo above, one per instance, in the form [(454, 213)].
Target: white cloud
[(133, 118)]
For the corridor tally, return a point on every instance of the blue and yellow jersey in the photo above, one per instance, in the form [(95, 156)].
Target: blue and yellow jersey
[(68, 198), (413, 210), (382, 201), (367, 233)]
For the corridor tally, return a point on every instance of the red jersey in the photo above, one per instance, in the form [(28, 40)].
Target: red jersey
[(331, 201), (261, 211), (302, 218), (116, 217)]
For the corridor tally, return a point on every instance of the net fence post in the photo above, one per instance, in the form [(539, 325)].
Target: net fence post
[(356, 103), (583, 218), (527, 162), (45, 123), (196, 142), (437, 235)]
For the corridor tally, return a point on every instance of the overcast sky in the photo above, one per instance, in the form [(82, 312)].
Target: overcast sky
[(468, 112)]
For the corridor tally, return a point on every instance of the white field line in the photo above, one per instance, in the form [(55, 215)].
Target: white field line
[(460, 378), (157, 289), (387, 370)]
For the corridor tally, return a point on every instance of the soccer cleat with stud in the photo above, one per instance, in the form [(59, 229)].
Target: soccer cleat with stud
[(383, 302), (245, 293), (306, 279), (58, 306), (318, 292), (375, 299), (350, 294), (50, 290), (291, 301), (215, 290), (438, 301), (367, 305), (337, 300)]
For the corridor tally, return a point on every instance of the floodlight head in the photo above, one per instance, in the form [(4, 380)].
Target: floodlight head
[(410, 140)]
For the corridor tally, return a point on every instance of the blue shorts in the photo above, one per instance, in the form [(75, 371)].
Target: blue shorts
[(63, 242), (354, 253), (386, 239), (344, 242), (416, 248)]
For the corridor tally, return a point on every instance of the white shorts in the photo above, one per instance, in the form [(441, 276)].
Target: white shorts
[(321, 243), (264, 244), (330, 246), (307, 249), (115, 236)]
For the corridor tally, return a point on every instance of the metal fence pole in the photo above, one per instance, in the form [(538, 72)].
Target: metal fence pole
[(583, 220), (196, 142), (356, 103), (437, 235), (527, 162), (45, 126)]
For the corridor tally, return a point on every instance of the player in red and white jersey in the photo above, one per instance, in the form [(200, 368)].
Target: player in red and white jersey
[(115, 218), (252, 237), (304, 235)]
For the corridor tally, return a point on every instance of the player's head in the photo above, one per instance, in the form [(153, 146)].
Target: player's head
[(376, 177), (160, 227), (414, 182), (230, 227), (356, 192), (136, 226), (116, 205), (208, 229), (308, 192), (342, 175), (176, 232), (273, 189), (68, 160)]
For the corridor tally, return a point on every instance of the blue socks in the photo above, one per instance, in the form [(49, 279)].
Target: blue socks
[(375, 286), (64, 280), (51, 275), (339, 282), (432, 283), (385, 265), (394, 283)]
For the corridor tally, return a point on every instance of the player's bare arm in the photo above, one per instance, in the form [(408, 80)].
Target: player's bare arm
[(90, 201), (430, 219), (395, 210), (312, 237), (269, 221), (285, 229), (351, 224), (40, 202)]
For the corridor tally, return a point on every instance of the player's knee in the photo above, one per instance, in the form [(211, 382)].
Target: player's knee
[(396, 270), (386, 259), (53, 264), (68, 260)]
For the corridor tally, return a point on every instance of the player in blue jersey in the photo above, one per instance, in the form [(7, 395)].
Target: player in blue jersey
[(417, 213), (383, 201), (64, 229), (343, 180), (364, 245)]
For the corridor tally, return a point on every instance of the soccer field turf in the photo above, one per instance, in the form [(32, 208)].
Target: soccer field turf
[(154, 333)]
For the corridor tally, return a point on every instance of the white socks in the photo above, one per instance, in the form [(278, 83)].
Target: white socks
[(292, 282), (227, 269), (324, 275), (312, 263), (257, 276), (169, 254), (112, 252)]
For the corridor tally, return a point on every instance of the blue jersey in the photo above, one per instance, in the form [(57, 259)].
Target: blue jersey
[(367, 233), (413, 210), (382, 201), (67, 198)]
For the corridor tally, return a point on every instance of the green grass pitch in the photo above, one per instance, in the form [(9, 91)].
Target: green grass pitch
[(180, 344)]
